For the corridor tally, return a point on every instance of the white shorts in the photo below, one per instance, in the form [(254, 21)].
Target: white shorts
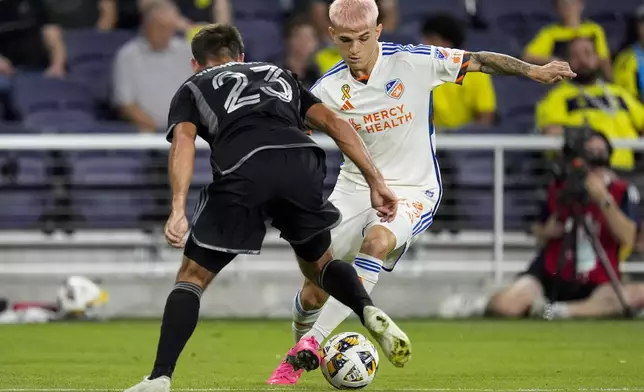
[(416, 210)]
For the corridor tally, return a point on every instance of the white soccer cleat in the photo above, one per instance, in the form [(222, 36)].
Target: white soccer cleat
[(393, 341), (160, 384)]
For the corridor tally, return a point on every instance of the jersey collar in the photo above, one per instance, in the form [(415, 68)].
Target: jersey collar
[(359, 81)]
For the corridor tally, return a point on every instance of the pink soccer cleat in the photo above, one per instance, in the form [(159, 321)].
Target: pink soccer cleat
[(303, 356)]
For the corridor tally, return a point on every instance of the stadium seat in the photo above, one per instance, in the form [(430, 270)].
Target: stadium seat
[(621, 7), (411, 28), (473, 168), (101, 127), (90, 55), (110, 189), (56, 121), (493, 9), (524, 123), (517, 97), (14, 127), (476, 208), (520, 209), (614, 27), (263, 39), (24, 192), (494, 41), (400, 38), (415, 10), (52, 94), (258, 9), (518, 19)]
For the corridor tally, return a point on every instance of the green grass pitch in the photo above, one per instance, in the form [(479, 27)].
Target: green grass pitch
[(239, 355)]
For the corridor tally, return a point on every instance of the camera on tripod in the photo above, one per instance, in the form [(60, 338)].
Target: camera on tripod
[(570, 168)]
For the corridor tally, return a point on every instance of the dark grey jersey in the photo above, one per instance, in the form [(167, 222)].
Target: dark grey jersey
[(243, 108)]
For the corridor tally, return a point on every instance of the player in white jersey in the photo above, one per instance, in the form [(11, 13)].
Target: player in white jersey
[(384, 91)]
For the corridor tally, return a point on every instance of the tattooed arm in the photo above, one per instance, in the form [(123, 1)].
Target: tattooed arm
[(501, 64)]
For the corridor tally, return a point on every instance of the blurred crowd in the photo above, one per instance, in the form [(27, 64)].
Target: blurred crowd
[(114, 65)]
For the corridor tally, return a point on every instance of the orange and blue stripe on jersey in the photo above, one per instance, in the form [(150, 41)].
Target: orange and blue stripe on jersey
[(341, 65), (463, 71)]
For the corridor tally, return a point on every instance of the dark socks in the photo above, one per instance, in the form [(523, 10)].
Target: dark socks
[(340, 280), (179, 321)]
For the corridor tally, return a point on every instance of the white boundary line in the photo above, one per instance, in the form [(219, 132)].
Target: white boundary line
[(268, 388)]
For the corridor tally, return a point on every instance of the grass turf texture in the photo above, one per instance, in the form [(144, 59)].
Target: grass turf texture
[(229, 355)]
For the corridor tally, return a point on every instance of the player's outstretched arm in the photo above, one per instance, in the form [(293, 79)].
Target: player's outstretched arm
[(180, 166), (501, 64), (324, 119)]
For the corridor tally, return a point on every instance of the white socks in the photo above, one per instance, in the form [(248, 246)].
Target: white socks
[(303, 320), (333, 313)]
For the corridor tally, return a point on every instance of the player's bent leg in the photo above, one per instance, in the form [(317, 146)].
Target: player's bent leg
[(181, 313), (379, 241), (306, 308), (516, 300)]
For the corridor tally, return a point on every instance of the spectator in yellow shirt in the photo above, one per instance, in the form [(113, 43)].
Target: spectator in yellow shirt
[(629, 63), (589, 101), (550, 42), (456, 106)]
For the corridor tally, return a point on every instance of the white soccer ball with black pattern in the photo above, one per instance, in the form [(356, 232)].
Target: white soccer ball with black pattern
[(349, 361)]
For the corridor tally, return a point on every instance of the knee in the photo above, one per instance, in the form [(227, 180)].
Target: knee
[(503, 305), (378, 242), (312, 297), (192, 272)]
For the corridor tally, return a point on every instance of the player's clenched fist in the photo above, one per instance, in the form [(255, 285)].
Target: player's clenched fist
[(176, 229), (384, 201), (552, 72)]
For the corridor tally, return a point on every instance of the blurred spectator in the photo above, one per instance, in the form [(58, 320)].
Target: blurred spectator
[(329, 56), (550, 42), (456, 106), (150, 68), (192, 15), (629, 63), (76, 14), (28, 40), (589, 101), (205, 11), (197, 13), (301, 43)]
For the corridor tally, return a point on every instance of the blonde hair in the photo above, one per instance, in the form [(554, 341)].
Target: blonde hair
[(353, 13)]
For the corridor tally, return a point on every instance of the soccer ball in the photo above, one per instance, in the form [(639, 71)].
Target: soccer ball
[(349, 361)]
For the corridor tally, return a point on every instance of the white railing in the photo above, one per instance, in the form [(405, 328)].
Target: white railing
[(496, 143)]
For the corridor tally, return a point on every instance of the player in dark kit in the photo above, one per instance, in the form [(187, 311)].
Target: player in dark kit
[(264, 167)]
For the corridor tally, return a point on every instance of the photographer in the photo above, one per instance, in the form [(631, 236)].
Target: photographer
[(583, 289), (579, 287)]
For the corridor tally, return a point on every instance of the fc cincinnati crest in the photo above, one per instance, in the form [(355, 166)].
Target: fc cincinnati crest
[(395, 88)]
